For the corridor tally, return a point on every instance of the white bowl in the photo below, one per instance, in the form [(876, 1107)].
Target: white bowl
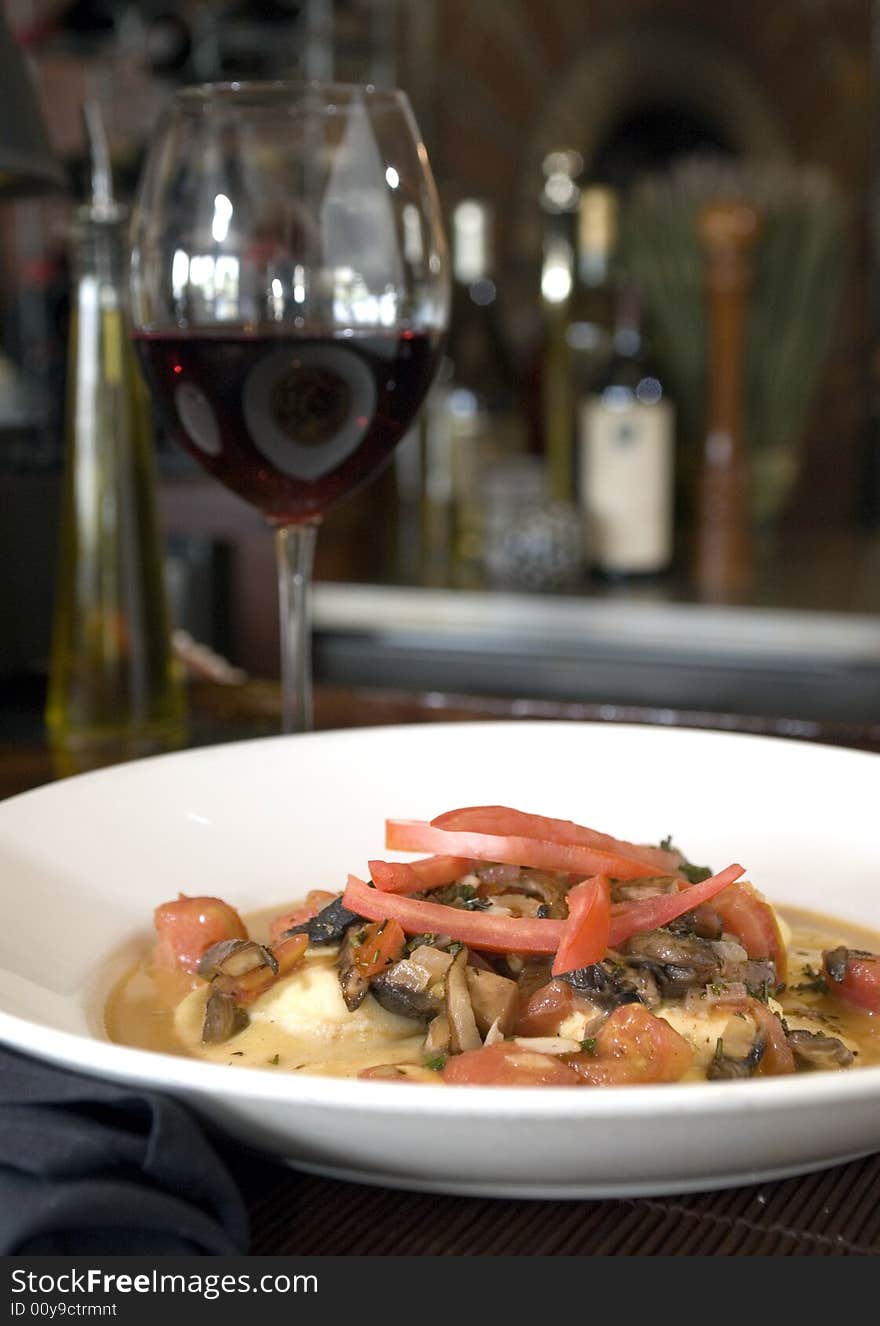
[(84, 862)]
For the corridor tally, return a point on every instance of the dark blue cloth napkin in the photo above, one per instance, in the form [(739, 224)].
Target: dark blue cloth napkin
[(89, 1166)]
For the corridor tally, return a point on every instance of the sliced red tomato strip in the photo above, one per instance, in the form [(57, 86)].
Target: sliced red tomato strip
[(494, 934), (631, 918), (585, 937), (752, 920), (514, 850), (432, 872), (505, 821)]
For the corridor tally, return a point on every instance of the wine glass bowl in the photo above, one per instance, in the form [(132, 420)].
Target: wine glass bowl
[(290, 293)]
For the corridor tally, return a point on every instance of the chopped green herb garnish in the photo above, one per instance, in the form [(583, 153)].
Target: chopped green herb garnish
[(694, 874), (815, 982), (455, 947), (717, 988), (589, 1045), (274, 1061), (435, 1062), (418, 940), (760, 992), (719, 1048)]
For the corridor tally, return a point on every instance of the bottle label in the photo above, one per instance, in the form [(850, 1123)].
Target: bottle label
[(625, 479)]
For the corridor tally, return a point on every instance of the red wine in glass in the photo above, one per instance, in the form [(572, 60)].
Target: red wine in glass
[(289, 295), (289, 420)]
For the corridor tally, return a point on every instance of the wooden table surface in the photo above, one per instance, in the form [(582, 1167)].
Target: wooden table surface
[(834, 1212)]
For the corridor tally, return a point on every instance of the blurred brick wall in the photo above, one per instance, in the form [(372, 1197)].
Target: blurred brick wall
[(500, 63)]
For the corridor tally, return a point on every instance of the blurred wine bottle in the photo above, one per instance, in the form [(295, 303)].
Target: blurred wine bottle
[(626, 449), (590, 327), (580, 325), (114, 692), (477, 345), (559, 203), (470, 421)]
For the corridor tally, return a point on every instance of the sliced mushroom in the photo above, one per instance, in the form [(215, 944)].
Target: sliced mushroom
[(728, 1067), (758, 975), (514, 904), (634, 890), (493, 999), (223, 1018), (353, 985), (703, 921), (837, 962), (609, 984), (235, 957), (433, 961), (493, 1035), (328, 926), (437, 1039), (812, 1049), (532, 974), (410, 988), (211, 961), (677, 962), (550, 889), (463, 1033)]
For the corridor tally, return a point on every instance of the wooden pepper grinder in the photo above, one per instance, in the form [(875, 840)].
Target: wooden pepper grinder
[(723, 544)]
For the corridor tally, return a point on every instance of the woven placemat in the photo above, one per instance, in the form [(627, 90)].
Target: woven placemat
[(830, 1213)]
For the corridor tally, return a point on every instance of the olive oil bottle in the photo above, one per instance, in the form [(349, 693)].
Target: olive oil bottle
[(114, 692)]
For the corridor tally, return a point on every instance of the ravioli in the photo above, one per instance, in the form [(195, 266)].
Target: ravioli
[(302, 1023)]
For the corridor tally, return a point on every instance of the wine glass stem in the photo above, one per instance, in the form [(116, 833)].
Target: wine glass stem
[(295, 547)]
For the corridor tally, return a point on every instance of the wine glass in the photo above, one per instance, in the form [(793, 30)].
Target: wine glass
[(290, 294)]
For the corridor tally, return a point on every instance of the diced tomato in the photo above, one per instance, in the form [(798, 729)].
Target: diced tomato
[(516, 850), (585, 937), (316, 900), (632, 918), (288, 953), (507, 1065), (633, 1046), (480, 930), (548, 1007), (432, 872), (861, 981), (505, 821), (752, 920), (245, 989), (778, 1057), (187, 927), (377, 946)]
